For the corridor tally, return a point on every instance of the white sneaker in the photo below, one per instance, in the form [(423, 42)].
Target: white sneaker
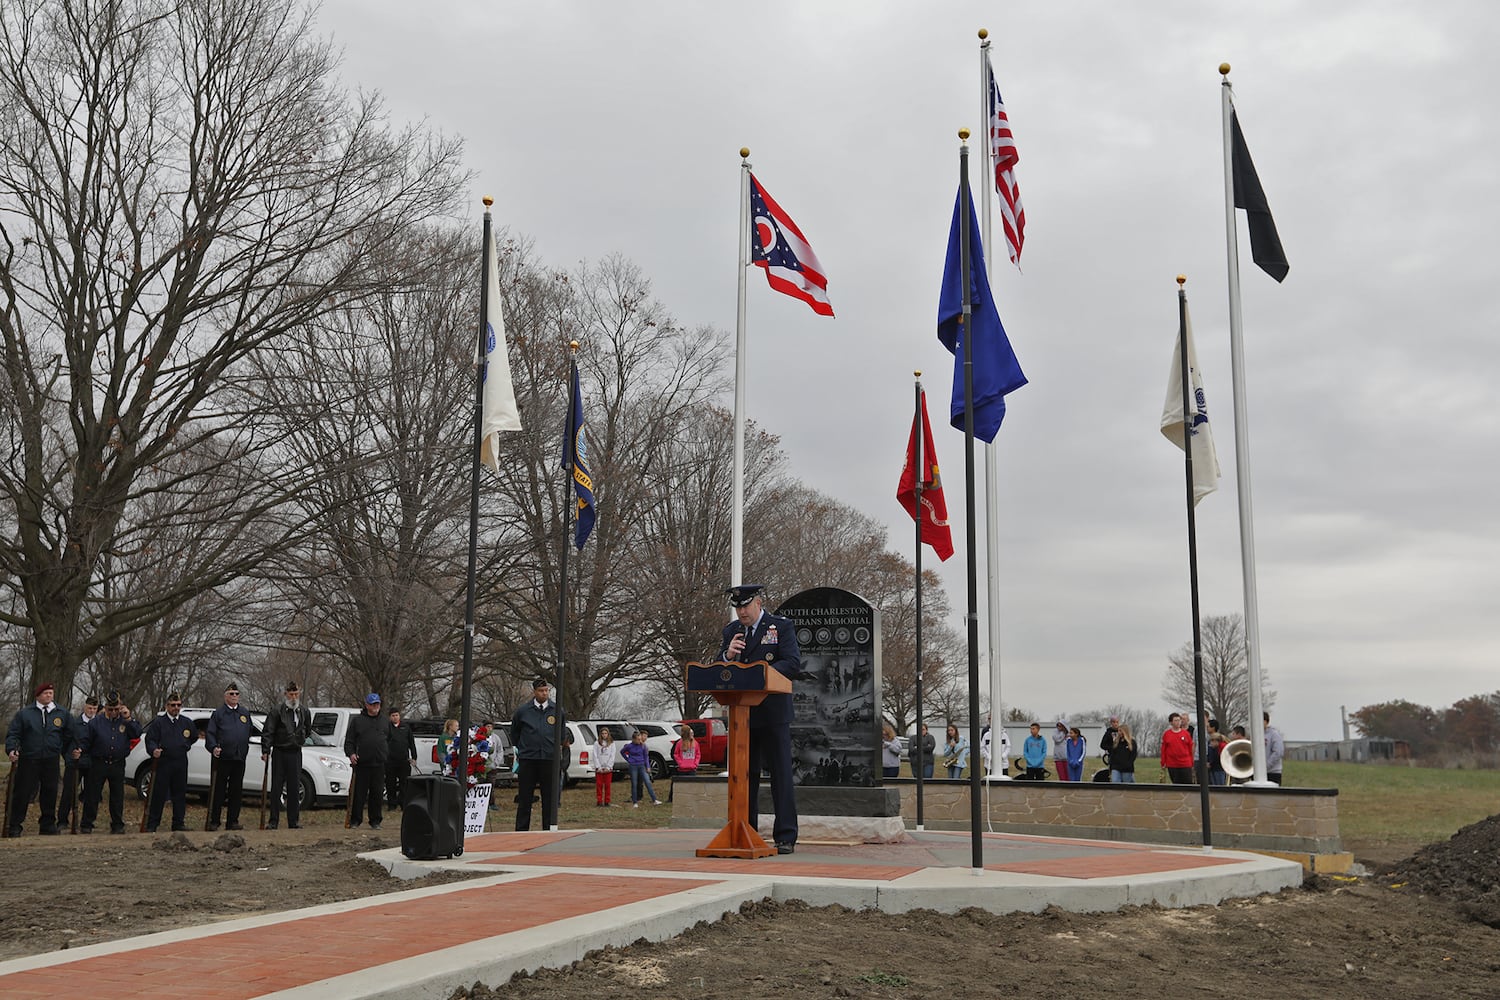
[(656, 802), (635, 805)]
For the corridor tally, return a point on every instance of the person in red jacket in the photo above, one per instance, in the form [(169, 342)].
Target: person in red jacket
[(1177, 751)]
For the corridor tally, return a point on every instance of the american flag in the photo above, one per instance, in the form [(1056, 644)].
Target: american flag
[(778, 246), (1005, 157)]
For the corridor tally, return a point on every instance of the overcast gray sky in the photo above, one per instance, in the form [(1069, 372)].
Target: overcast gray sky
[(604, 128)]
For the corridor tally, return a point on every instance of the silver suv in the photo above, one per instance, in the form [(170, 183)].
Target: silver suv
[(325, 770)]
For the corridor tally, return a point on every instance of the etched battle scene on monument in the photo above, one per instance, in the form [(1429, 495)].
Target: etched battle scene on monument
[(835, 726)]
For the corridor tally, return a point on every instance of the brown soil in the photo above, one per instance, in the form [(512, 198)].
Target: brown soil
[(1410, 931)]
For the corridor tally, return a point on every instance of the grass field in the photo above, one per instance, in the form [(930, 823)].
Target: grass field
[(1387, 811), (1384, 811)]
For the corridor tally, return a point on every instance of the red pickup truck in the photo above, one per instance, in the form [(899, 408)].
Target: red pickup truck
[(712, 736)]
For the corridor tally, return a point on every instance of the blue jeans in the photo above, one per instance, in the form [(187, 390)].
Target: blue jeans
[(927, 770), (1218, 778), (956, 771), (1122, 777), (640, 773)]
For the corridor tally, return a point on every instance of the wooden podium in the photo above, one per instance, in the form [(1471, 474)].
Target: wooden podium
[(738, 686)]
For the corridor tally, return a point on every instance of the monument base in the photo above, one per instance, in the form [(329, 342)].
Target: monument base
[(826, 813), (843, 829)]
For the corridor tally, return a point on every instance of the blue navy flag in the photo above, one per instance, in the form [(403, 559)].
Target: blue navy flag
[(575, 461), (778, 247), (996, 370)]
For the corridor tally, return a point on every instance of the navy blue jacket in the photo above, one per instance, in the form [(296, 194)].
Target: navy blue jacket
[(533, 731), (229, 728), (775, 641), (34, 738), (108, 740), (174, 738)]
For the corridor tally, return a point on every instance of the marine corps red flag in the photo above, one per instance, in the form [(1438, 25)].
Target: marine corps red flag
[(934, 516)]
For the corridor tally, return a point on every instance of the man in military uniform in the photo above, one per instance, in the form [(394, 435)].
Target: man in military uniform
[(74, 770), (288, 726), (401, 752), (106, 744), (756, 635), (38, 735), (533, 730), (169, 737), (228, 741), (367, 746)]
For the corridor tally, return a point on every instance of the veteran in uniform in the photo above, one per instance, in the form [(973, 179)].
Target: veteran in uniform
[(38, 735), (75, 769), (169, 737), (533, 731), (288, 726), (106, 744), (756, 635), (228, 741)]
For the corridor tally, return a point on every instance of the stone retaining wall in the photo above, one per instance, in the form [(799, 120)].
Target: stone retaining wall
[(1272, 819)]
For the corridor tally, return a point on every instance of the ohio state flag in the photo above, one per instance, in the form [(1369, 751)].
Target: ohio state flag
[(934, 516)]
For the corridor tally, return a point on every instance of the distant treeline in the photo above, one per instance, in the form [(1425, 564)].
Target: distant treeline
[(1471, 725)]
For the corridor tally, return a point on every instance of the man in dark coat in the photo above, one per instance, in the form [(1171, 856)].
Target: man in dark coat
[(756, 635), (399, 755), (367, 745), (533, 731), (288, 726), (169, 737), (228, 740), (106, 744), (75, 769), (39, 734)]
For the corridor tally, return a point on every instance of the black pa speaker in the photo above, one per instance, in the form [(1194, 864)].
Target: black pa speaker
[(432, 817)]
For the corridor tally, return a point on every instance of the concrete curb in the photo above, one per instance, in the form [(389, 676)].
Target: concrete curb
[(554, 945)]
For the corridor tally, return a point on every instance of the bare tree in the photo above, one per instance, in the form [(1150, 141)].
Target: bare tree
[(380, 395), (181, 184), (643, 376), (683, 557), (1226, 676)]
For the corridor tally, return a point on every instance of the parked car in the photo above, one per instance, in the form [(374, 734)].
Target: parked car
[(325, 770), (713, 739), (661, 737)]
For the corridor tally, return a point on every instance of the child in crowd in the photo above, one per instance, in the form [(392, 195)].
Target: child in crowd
[(639, 759), (604, 767)]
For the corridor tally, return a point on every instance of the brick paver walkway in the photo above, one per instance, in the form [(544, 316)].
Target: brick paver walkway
[(241, 964)]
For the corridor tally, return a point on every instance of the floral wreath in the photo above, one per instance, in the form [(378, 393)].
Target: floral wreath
[(479, 754)]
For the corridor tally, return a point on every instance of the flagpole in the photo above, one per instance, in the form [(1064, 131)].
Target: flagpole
[(1242, 448), (965, 213), (921, 478), (991, 457), (1188, 400), (461, 767), (737, 530), (569, 434)]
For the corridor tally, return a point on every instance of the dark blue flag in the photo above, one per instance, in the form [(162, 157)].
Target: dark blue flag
[(996, 370), (575, 461)]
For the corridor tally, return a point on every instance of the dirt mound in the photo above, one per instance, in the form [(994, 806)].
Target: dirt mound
[(1464, 870)]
